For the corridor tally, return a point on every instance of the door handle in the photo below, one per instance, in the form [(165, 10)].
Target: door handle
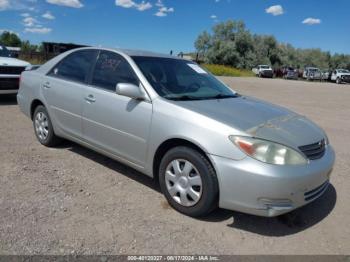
[(90, 99), (47, 85)]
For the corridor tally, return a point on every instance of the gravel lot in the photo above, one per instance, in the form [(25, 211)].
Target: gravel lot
[(70, 200)]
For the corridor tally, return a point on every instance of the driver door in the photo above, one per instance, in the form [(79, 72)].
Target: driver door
[(116, 124)]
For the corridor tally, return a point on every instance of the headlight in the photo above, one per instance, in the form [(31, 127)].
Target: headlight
[(268, 152), (326, 140)]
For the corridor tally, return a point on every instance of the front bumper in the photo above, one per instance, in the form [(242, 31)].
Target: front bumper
[(257, 188), (267, 73), (345, 79), (9, 84)]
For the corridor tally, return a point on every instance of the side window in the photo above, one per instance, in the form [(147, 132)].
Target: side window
[(112, 69), (75, 66)]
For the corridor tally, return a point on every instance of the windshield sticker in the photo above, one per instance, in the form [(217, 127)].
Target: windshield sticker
[(198, 69)]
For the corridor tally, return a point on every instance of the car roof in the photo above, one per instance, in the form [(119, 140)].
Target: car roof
[(131, 52)]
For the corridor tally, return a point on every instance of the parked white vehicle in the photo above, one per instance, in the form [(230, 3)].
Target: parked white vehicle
[(341, 76), (10, 71), (263, 71), (312, 73)]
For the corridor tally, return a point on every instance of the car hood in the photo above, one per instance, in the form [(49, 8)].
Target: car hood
[(259, 119), (344, 74), (9, 61)]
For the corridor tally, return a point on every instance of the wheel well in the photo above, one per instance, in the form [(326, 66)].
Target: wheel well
[(169, 144), (34, 105)]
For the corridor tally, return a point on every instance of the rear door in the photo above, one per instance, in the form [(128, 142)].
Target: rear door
[(63, 90), (117, 124)]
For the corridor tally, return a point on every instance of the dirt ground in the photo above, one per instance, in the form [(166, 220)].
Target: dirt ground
[(71, 200)]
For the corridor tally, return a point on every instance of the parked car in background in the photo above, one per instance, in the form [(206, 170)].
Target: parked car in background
[(312, 73), (263, 71), (325, 75), (10, 71), (170, 119), (290, 73), (341, 76)]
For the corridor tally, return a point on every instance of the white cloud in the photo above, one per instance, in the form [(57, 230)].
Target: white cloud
[(4, 4), (275, 10), (16, 4), (131, 4), (25, 14), (213, 17), (159, 3), (38, 30), (125, 3), (163, 11), (311, 21), (29, 21), (69, 3), (48, 15), (143, 6)]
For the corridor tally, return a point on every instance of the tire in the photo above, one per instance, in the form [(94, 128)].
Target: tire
[(260, 75), (338, 81), (175, 187), (43, 128)]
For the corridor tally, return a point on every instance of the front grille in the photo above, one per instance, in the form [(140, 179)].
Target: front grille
[(9, 83), (346, 78), (11, 70), (314, 151), (316, 192)]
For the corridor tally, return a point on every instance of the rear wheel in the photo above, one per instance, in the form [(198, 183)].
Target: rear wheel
[(43, 127), (188, 181)]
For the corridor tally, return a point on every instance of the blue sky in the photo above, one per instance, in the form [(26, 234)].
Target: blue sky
[(164, 25)]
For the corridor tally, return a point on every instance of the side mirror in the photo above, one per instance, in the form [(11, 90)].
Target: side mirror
[(130, 90)]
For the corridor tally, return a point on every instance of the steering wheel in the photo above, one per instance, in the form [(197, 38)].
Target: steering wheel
[(157, 85)]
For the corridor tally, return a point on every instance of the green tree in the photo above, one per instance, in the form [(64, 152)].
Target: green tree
[(230, 43), (10, 39)]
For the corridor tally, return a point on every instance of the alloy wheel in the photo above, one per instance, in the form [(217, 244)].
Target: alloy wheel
[(41, 126)]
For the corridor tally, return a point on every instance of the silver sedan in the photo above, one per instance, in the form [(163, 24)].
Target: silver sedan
[(207, 145)]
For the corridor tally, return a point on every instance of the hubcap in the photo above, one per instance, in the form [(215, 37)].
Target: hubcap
[(41, 126), (183, 182)]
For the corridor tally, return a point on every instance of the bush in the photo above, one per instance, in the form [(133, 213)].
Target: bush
[(221, 70)]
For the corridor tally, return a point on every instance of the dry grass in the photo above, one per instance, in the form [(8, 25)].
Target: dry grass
[(221, 70)]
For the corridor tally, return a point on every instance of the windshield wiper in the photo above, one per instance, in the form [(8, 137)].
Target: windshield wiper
[(183, 98), (221, 96)]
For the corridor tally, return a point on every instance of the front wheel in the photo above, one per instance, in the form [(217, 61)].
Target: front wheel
[(188, 181), (43, 128), (338, 81)]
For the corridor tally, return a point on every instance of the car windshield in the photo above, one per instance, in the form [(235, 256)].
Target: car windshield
[(264, 67), (343, 71), (4, 52), (314, 70), (177, 79)]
